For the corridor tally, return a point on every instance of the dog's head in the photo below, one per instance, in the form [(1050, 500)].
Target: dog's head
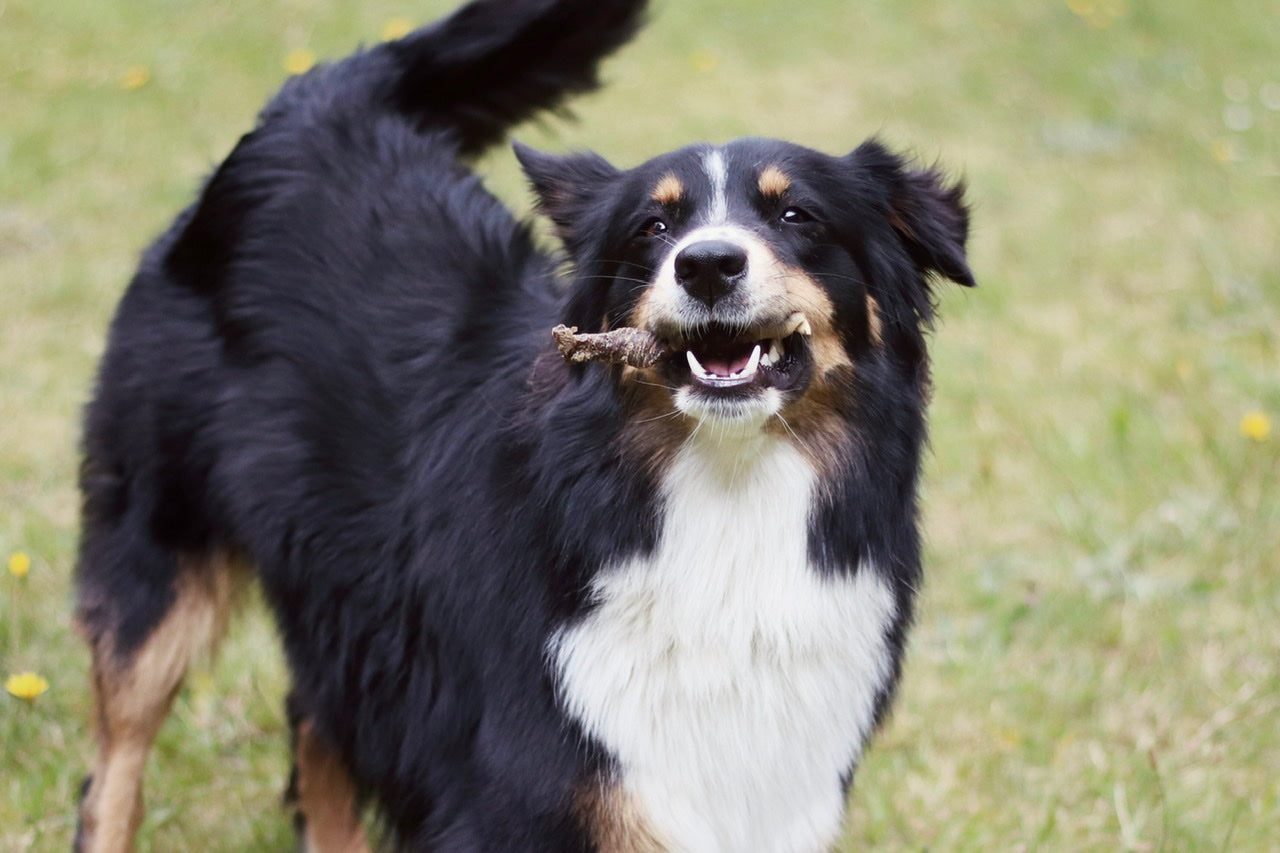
[(769, 270)]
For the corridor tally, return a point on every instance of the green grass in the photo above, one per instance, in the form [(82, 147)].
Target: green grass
[(1096, 664)]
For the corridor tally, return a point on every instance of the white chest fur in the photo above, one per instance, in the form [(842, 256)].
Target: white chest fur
[(733, 683)]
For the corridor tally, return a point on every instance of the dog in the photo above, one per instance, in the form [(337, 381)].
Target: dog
[(525, 604)]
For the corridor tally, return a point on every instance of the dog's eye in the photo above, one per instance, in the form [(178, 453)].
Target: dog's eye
[(653, 227), (794, 216)]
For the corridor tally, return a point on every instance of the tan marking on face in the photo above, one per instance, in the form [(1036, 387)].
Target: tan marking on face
[(803, 294), (875, 324), (814, 418), (134, 693), (773, 182), (642, 314), (668, 190), (615, 822), (326, 797)]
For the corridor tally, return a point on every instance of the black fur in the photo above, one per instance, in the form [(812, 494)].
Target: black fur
[(337, 364)]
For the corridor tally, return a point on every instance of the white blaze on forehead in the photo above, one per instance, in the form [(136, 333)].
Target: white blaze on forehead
[(714, 165)]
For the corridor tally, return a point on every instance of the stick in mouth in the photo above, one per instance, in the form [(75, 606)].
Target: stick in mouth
[(625, 345)]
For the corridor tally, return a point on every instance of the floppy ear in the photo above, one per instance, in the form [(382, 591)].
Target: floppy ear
[(927, 211), (568, 187)]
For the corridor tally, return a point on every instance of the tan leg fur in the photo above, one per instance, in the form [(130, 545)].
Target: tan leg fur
[(134, 695), (326, 798)]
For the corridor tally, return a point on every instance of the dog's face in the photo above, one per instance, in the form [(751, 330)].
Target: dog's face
[(767, 269)]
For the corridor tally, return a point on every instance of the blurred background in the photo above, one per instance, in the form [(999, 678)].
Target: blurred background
[(1096, 664)]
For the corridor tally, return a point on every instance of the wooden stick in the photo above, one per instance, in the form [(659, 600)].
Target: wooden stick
[(625, 345)]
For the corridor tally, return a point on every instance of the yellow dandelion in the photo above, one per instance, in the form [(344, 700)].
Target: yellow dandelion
[(396, 28), (299, 61), (26, 685), (1255, 425), (19, 565), (704, 61), (135, 77)]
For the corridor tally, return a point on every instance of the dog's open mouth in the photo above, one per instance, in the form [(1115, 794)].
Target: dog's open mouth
[(720, 359)]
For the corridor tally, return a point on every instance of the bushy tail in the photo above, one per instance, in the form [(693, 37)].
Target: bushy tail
[(471, 76), (494, 63)]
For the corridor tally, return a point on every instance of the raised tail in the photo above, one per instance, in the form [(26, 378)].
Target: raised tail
[(494, 63), (468, 77)]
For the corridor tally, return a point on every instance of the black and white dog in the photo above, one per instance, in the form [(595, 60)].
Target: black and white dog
[(526, 605)]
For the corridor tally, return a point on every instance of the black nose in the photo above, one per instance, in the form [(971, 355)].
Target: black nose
[(709, 269)]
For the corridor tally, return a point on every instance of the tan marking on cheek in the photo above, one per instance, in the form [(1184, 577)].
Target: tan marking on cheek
[(642, 314), (815, 419), (773, 182), (875, 325), (804, 295), (668, 190)]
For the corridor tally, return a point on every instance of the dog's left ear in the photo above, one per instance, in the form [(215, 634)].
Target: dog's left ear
[(927, 211), (569, 188)]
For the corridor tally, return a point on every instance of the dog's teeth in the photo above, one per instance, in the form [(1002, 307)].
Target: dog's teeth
[(775, 351), (696, 366), (798, 322), (738, 377)]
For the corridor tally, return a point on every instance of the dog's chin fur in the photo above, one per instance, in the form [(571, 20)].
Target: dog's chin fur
[(729, 415), (525, 604)]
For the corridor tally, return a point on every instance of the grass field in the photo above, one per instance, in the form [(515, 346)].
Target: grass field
[(1097, 659)]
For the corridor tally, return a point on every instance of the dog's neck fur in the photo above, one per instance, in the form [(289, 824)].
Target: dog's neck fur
[(733, 683)]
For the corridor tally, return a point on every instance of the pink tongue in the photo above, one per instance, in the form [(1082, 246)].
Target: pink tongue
[(726, 368)]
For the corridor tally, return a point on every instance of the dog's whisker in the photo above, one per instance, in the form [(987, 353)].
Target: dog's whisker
[(674, 413), (661, 385)]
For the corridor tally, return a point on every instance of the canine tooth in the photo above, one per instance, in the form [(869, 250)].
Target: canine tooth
[(798, 322), (753, 364), (696, 366)]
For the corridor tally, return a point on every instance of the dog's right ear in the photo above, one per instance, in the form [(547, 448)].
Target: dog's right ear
[(569, 188)]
